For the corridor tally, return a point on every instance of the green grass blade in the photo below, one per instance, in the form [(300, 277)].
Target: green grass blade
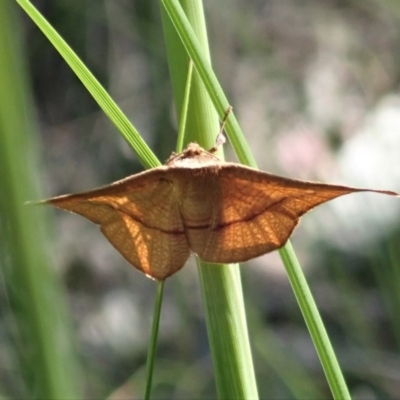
[(221, 285), (195, 50), (227, 331), (128, 131), (315, 325), (40, 326), (182, 123), (153, 339)]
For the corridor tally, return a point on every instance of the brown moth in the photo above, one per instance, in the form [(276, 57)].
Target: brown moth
[(224, 212)]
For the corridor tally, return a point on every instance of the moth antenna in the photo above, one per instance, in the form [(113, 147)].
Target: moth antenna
[(220, 140)]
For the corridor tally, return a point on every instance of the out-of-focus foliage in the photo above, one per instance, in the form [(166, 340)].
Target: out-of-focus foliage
[(315, 86)]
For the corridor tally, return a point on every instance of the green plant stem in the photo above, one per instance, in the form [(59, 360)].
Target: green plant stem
[(315, 325), (195, 48), (153, 339), (182, 124), (227, 330), (220, 284)]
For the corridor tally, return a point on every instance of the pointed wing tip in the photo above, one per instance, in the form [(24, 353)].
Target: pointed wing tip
[(379, 191), (54, 201), (35, 203), (388, 192)]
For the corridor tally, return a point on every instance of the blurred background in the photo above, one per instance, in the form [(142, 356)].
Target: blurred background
[(315, 87)]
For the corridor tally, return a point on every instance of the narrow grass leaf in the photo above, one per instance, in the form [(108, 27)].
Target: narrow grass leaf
[(131, 135), (315, 325), (220, 284)]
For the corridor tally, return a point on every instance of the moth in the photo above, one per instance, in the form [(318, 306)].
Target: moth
[(221, 211)]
